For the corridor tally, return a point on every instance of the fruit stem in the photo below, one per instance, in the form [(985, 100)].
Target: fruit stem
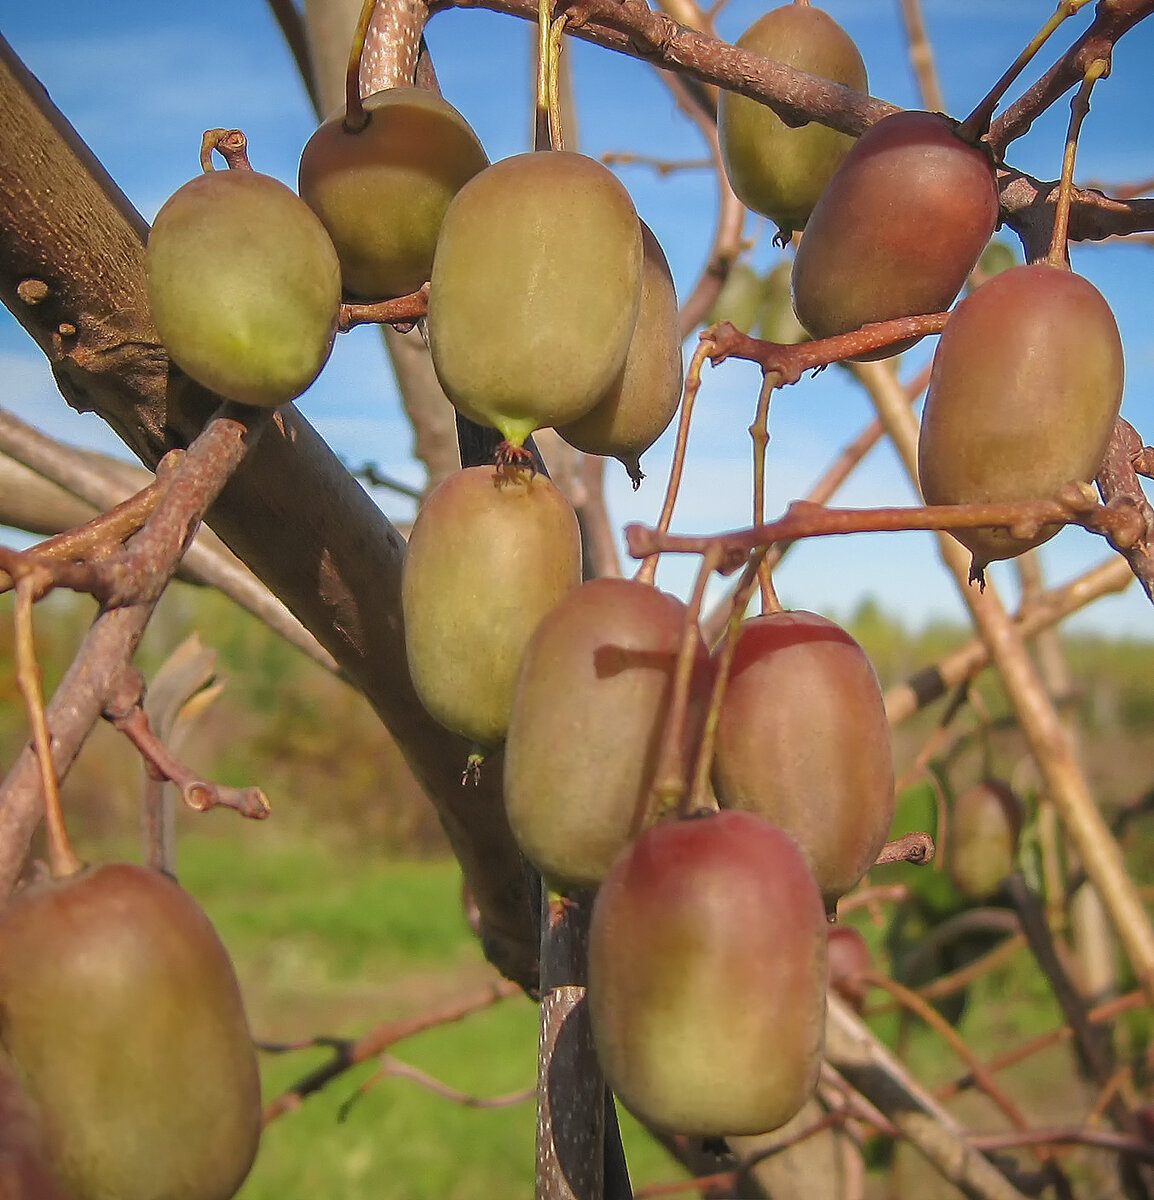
[(648, 569), (1079, 107), (542, 135), (62, 860), (547, 129), (759, 431), (355, 116), (977, 124), (230, 144), (669, 781), (769, 601), (700, 793)]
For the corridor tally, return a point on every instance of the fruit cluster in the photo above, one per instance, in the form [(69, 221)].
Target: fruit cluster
[(550, 304)]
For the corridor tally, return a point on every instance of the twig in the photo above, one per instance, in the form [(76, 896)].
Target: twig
[(1074, 505), (393, 1068), (124, 711), (112, 640), (347, 1053), (869, 1067), (1120, 487), (931, 683)]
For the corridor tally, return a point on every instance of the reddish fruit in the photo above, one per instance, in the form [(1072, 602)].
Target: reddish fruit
[(636, 410), (898, 229), (707, 976), (490, 553), (587, 726), (777, 170), (1025, 390), (122, 1017), (382, 191), (850, 965), (803, 741), (983, 838)]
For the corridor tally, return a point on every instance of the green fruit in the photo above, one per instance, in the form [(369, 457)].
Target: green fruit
[(588, 723), (382, 191), (245, 286), (898, 229), (740, 299), (535, 291), (121, 1014), (1025, 390), (779, 322), (707, 976), (490, 553), (635, 412), (803, 740), (982, 846), (774, 169)]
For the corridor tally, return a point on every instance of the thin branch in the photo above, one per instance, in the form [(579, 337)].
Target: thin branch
[(347, 1053)]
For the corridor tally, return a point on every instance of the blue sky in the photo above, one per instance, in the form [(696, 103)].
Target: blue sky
[(142, 82)]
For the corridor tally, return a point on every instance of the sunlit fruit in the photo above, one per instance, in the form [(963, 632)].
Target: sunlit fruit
[(122, 1017), (245, 286), (635, 412), (535, 290), (802, 740), (490, 553), (707, 976), (775, 169), (982, 846), (897, 230), (587, 726), (382, 190), (1025, 390)]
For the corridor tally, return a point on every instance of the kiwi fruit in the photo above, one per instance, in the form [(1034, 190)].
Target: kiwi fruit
[(245, 286), (381, 191), (776, 169), (122, 1019), (897, 230), (535, 291), (707, 976), (597, 675), (982, 847), (803, 741), (490, 553), (1025, 389), (637, 409)]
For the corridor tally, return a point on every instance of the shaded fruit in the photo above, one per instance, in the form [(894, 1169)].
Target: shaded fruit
[(382, 191), (635, 412), (740, 300), (1025, 390), (779, 322), (983, 838), (850, 965), (802, 740), (535, 290), (774, 169), (587, 726), (121, 1014), (490, 553), (707, 976), (245, 286), (897, 230)]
